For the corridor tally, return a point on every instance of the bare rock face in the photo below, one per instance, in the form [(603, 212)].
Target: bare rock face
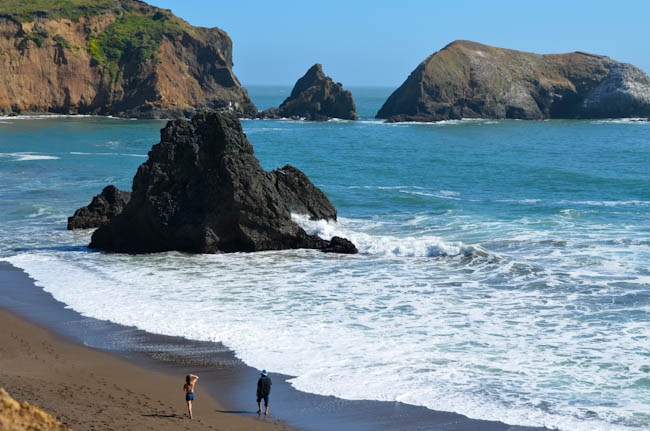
[(202, 190), (114, 57), (315, 97), (25, 417), (106, 205), (300, 195), (471, 80)]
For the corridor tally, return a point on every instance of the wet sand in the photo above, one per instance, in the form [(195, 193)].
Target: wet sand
[(88, 389), (95, 375)]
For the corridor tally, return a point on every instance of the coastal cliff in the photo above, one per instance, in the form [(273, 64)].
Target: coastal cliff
[(471, 80), (315, 97), (112, 57)]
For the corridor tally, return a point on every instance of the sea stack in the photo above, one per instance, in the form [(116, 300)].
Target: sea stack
[(471, 80), (202, 190), (114, 57), (103, 207), (315, 97)]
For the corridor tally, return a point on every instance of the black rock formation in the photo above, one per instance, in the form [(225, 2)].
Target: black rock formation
[(202, 190), (315, 97), (471, 80), (300, 195), (101, 209)]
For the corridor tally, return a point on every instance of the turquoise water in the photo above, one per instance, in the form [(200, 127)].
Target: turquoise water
[(503, 271)]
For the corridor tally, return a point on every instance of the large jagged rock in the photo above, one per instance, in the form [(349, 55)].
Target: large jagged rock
[(471, 80), (300, 195), (114, 57), (202, 190), (25, 417), (101, 209), (315, 97)]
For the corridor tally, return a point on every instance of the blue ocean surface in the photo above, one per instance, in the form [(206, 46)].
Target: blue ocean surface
[(503, 269)]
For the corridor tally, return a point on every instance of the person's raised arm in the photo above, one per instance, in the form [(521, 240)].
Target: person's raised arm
[(194, 377)]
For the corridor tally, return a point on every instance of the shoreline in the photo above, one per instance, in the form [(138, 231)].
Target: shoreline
[(227, 379), (93, 389)]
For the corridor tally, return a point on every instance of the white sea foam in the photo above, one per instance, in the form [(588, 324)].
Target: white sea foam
[(58, 116), (22, 157), (442, 194), (80, 153), (357, 327), (531, 336), (444, 122), (607, 203), (520, 201), (623, 121), (424, 246), (41, 116)]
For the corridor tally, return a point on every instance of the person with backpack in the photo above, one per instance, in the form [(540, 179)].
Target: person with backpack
[(263, 391)]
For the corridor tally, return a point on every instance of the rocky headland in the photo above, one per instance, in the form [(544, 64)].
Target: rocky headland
[(103, 207), (315, 97), (471, 80), (112, 57), (202, 190)]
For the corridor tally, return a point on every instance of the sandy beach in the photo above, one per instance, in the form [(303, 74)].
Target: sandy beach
[(132, 380), (92, 390)]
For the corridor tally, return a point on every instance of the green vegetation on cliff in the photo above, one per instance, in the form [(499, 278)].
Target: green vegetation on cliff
[(26, 10), (132, 39), (61, 41), (36, 38)]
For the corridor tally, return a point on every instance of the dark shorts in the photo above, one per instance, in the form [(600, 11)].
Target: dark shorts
[(189, 396), (263, 397)]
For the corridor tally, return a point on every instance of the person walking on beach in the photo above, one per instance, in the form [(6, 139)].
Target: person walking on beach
[(188, 387), (263, 392)]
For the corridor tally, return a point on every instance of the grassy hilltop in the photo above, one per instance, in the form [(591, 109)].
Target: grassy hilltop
[(135, 36)]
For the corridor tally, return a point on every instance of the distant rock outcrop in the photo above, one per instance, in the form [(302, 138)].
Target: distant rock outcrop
[(202, 190), (25, 417), (471, 80), (113, 57), (106, 205), (315, 97)]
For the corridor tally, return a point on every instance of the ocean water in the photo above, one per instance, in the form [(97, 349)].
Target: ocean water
[(503, 271)]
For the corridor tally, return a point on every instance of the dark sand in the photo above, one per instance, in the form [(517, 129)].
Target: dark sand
[(88, 389), (137, 385)]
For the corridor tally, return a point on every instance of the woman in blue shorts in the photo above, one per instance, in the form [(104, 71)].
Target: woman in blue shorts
[(188, 387)]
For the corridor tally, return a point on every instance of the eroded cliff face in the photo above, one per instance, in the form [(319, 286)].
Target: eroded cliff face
[(471, 80), (125, 59)]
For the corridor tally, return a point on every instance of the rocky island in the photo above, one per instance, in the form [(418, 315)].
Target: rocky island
[(202, 190), (315, 97), (112, 57), (471, 80)]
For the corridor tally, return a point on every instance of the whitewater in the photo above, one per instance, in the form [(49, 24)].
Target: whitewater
[(502, 271)]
